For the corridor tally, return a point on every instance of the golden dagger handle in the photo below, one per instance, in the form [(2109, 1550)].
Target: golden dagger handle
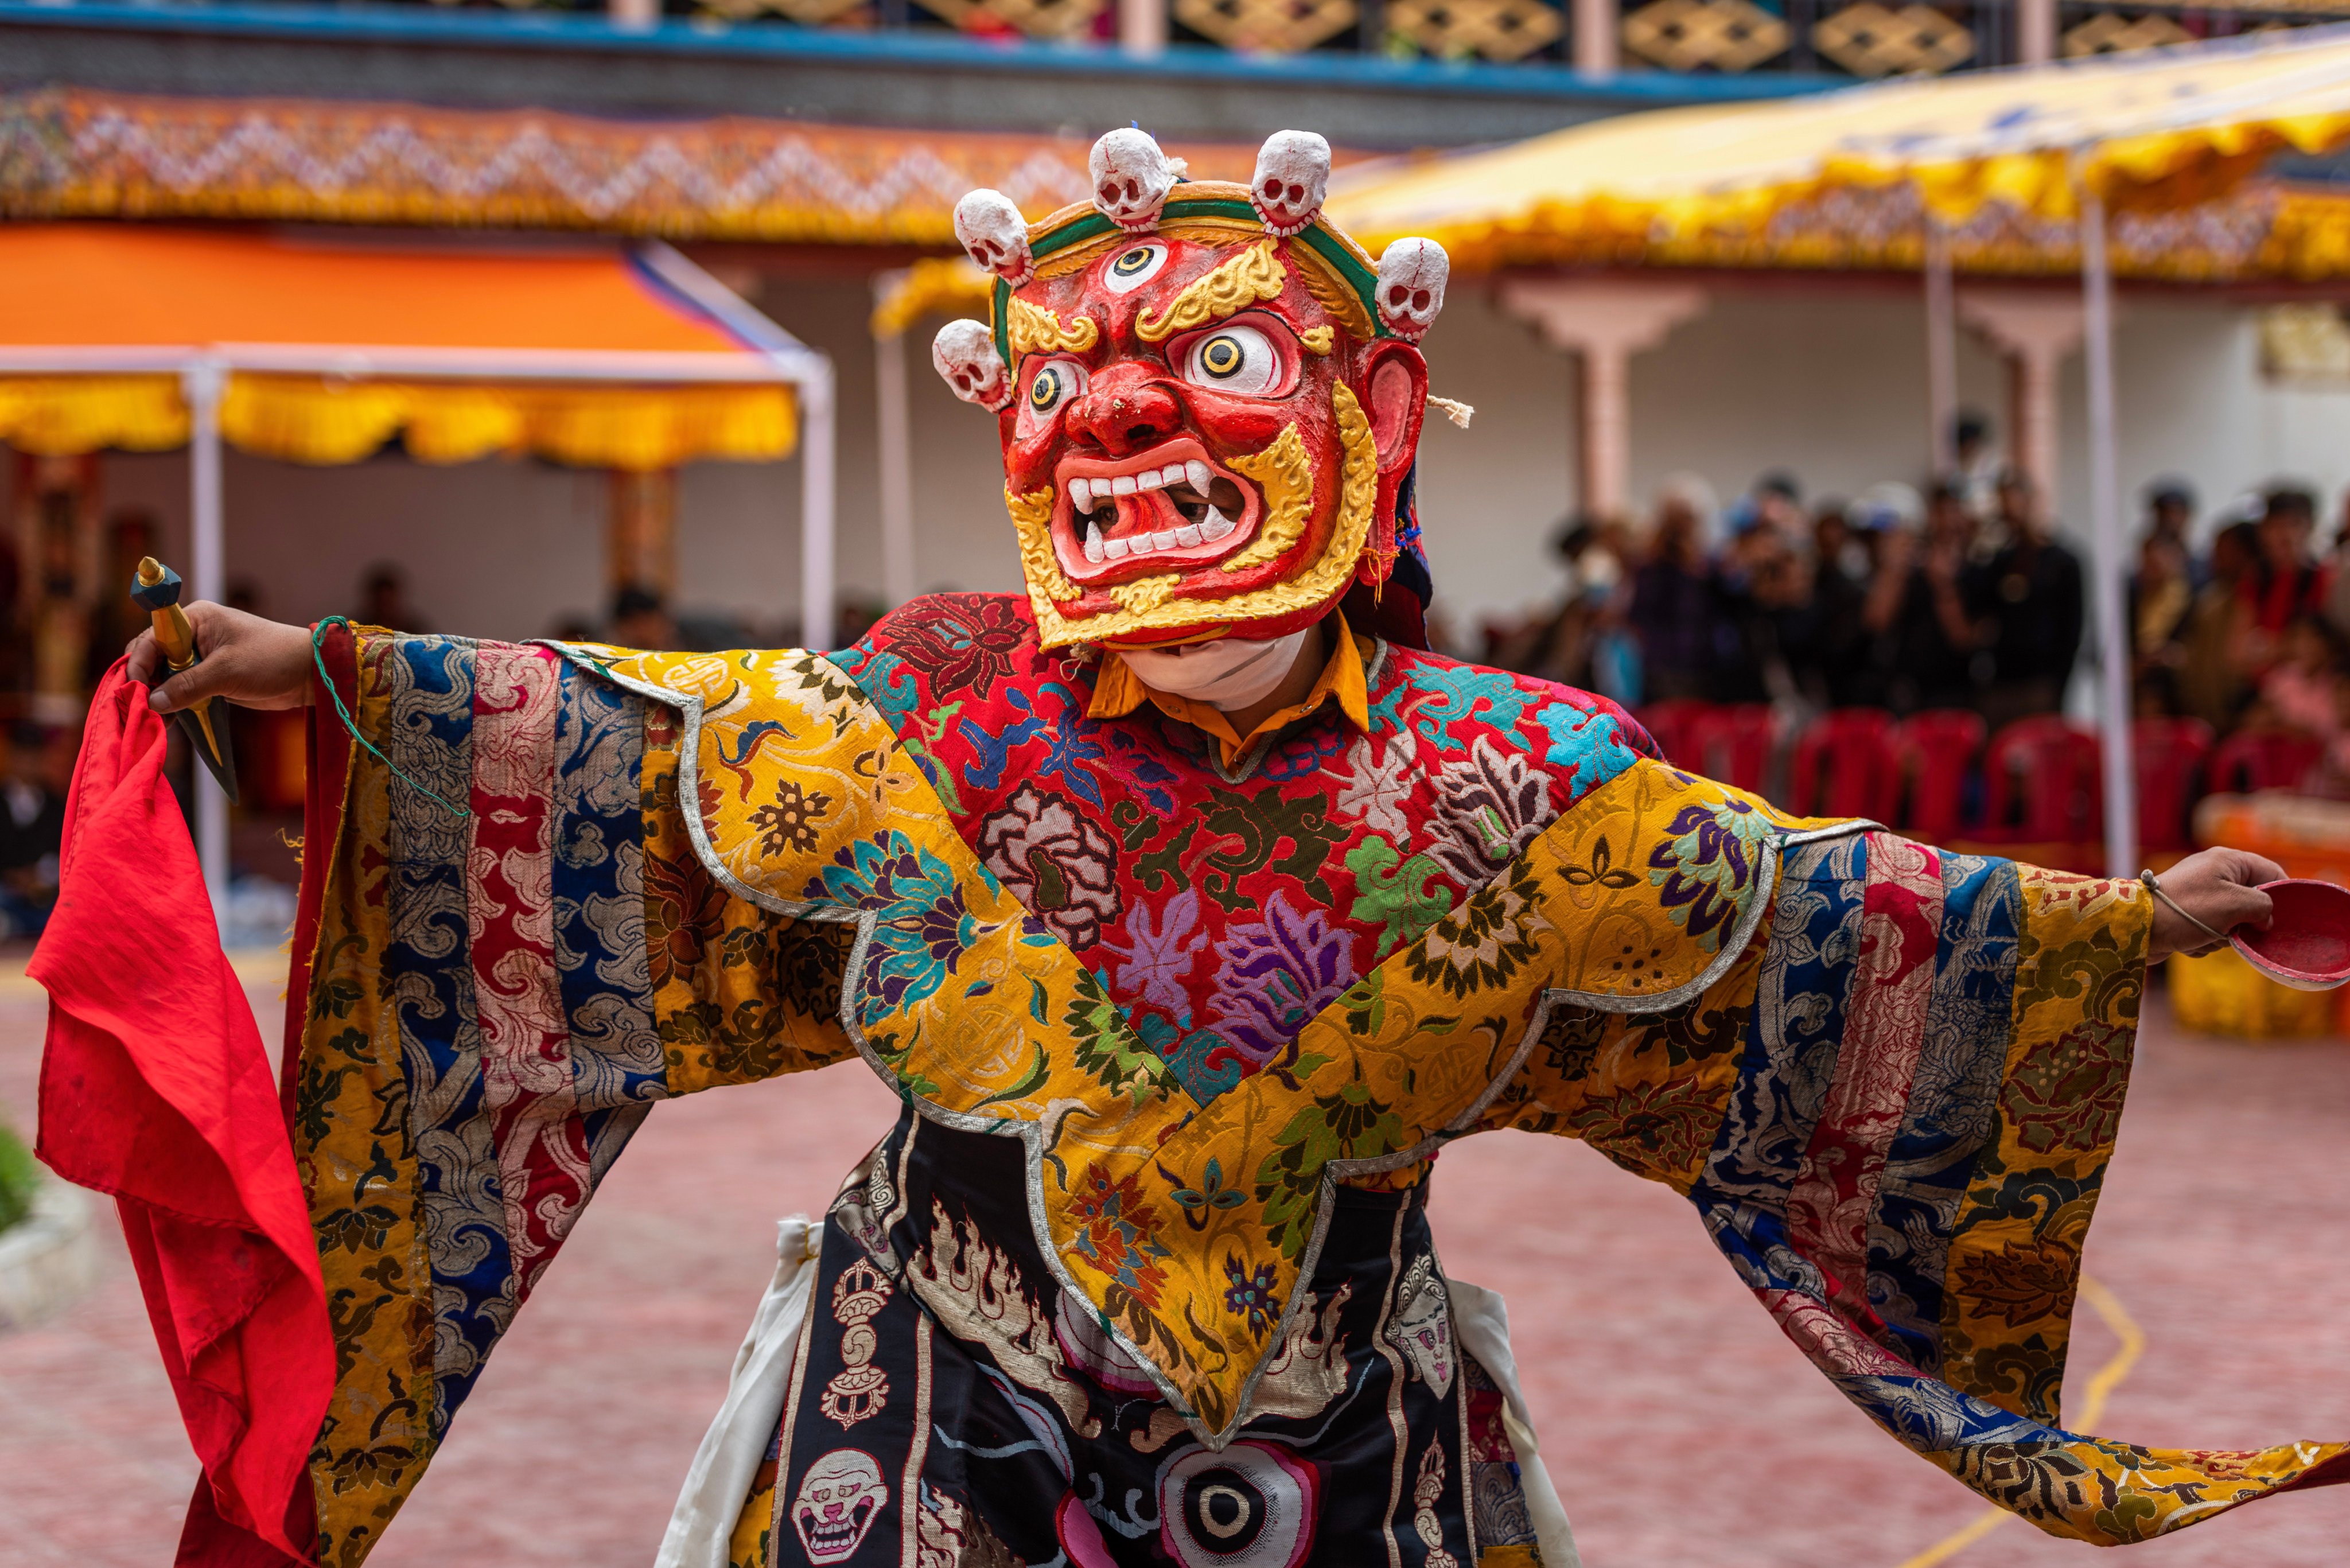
[(172, 633), (159, 592)]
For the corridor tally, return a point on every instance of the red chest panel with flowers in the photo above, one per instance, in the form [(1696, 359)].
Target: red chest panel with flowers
[(1221, 909)]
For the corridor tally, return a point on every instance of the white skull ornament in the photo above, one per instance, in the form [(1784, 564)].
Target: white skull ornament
[(993, 233), (964, 353), (1412, 286), (839, 1498), (1293, 175), (1131, 179)]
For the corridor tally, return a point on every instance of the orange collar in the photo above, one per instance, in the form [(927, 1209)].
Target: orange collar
[(1119, 691)]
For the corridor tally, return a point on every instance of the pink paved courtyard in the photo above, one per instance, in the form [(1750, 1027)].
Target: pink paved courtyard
[(1680, 1427)]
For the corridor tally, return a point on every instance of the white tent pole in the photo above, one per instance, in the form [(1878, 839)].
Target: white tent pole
[(817, 426), (1941, 351), (893, 426), (202, 383), (2106, 545)]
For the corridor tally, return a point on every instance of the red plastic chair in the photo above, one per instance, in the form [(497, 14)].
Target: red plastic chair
[(1733, 744), (1936, 750), (2253, 760), (2169, 754), (2061, 800), (1672, 725), (1845, 766)]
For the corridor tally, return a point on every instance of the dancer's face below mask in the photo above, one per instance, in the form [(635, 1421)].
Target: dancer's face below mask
[(1228, 673)]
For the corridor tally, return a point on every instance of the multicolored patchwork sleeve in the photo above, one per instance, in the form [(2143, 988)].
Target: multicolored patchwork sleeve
[(1893, 1110), (509, 950)]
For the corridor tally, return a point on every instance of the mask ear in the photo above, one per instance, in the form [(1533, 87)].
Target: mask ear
[(1397, 383)]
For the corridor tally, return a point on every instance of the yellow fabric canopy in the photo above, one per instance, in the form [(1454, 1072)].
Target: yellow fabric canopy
[(2165, 129), (576, 325), (65, 416), (934, 284)]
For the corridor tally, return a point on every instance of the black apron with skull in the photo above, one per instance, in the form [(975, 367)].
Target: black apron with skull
[(952, 1406)]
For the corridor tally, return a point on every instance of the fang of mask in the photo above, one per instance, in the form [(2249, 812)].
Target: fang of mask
[(1131, 178), (1412, 286), (991, 232), (1293, 175), (964, 354)]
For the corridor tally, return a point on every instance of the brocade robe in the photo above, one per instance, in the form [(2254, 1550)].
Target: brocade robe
[(1143, 1273)]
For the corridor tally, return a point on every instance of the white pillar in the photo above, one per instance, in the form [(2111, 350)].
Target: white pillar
[(202, 384), (1941, 352), (894, 437), (1606, 449), (2034, 331), (1142, 27), (2035, 31), (816, 441), (2105, 547), (1596, 40), (1603, 322)]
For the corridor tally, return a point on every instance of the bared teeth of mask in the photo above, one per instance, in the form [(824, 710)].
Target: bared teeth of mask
[(1081, 496), (1173, 474), (1122, 484), (1114, 549), (1188, 534), (1094, 548), (1163, 540), (1150, 481), (1140, 544), (1200, 476), (1215, 525)]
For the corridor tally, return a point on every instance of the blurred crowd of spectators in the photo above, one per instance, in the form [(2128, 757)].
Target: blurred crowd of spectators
[(2253, 632), (1962, 596), (1956, 599)]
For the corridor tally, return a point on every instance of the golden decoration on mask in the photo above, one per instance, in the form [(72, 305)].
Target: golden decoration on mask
[(1036, 331), (1031, 520), (1144, 594), (1285, 476), (1256, 274), (1321, 582), (1319, 339)]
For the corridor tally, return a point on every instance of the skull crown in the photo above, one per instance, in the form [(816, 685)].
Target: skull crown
[(988, 225), (964, 354), (1412, 286), (1293, 175), (1131, 179)]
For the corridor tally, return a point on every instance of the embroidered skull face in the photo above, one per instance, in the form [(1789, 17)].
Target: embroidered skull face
[(1421, 1328), (839, 1499), (1195, 440)]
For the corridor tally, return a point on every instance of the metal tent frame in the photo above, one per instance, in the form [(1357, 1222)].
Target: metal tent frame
[(773, 355)]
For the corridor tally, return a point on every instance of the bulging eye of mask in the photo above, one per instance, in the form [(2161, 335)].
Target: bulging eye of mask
[(1227, 673)]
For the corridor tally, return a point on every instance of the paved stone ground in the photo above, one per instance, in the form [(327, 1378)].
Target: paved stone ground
[(1680, 1427)]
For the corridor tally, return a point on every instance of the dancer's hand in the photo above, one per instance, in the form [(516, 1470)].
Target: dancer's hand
[(252, 662), (2220, 887)]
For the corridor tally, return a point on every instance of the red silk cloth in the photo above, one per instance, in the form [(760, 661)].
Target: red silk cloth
[(156, 1088)]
